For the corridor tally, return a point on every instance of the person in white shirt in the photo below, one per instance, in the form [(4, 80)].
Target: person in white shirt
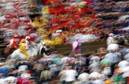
[(83, 78), (110, 39), (43, 49), (69, 75), (99, 79), (94, 63), (94, 59), (123, 64), (10, 80), (27, 42), (65, 60), (25, 75), (62, 76)]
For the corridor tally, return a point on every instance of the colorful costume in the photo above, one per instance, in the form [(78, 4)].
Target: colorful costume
[(76, 46), (45, 10), (27, 42), (13, 43), (43, 48), (22, 47), (45, 2)]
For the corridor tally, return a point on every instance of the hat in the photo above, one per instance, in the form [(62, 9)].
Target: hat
[(111, 34), (43, 43), (15, 36), (27, 37), (23, 40)]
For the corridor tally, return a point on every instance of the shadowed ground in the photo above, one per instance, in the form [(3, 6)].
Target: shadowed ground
[(66, 48), (86, 47)]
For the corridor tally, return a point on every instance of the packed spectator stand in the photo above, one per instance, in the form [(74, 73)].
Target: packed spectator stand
[(98, 17)]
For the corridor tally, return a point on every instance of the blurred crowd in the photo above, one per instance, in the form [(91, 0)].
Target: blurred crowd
[(64, 21), (114, 15), (104, 66)]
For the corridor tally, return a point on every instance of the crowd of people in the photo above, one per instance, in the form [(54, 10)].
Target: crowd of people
[(86, 17), (105, 66), (61, 20), (65, 21)]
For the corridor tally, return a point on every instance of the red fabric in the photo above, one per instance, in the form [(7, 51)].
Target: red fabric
[(78, 24), (84, 11), (14, 23), (17, 5), (2, 26), (86, 24), (77, 47), (11, 15), (59, 9), (64, 24), (52, 10), (24, 81), (127, 80), (30, 72), (94, 16), (77, 16), (21, 12), (55, 27), (64, 40), (88, 2), (27, 20), (20, 81), (45, 2), (71, 10), (32, 38), (54, 20), (14, 43)]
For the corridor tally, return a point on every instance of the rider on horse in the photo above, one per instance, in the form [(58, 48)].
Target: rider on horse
[(13, 43), (43, 49), (27, 41), (23, 49)]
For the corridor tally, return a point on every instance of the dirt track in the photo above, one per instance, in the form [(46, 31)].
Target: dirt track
[(66, 48), (86, 47)]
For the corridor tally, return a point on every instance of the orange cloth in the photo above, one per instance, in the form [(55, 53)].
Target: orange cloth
[(116, 71)]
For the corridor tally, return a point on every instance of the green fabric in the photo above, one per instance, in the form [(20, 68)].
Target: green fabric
[(118, 78), (56, 60), (105, 61)]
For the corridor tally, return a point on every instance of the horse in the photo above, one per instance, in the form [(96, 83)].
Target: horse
[(32, 51), (8, 51)]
